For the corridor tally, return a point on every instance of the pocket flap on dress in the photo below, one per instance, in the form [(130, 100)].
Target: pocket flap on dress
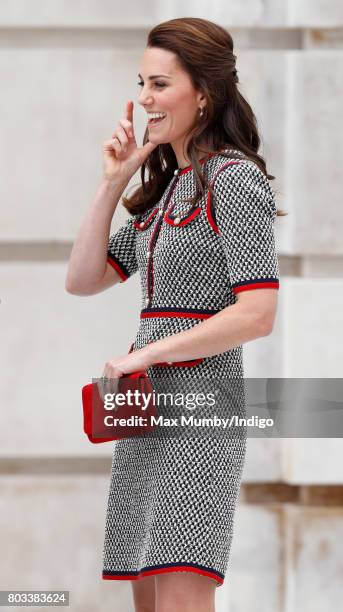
[(142, 225), (176, 220)]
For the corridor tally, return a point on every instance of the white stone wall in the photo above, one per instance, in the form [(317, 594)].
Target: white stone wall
[(66, 69)]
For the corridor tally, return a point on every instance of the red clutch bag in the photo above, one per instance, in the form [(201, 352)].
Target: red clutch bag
[(101, 422)]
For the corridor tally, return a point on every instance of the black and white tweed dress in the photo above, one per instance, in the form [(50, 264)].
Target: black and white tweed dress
[(171, 501)]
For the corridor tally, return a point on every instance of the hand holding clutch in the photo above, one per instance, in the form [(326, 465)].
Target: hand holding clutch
[(101, 424)]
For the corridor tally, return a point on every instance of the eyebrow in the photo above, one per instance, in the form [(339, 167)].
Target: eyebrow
[(155, 76)]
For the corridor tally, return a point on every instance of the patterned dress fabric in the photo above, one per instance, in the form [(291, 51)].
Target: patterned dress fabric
[(171, 501)]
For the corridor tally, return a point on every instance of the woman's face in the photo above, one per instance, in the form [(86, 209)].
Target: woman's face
[(171, 92)]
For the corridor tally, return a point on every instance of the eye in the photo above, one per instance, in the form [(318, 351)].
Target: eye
[(160, 85)]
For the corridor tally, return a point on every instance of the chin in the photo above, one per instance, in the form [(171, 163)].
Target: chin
[(157, 140)]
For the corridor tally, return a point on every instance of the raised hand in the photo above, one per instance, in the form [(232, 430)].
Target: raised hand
[(122, 157)]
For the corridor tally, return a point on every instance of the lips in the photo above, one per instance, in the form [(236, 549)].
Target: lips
[(155, 121)]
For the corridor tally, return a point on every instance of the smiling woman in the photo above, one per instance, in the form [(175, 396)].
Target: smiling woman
[(196, 252), (203, 109), (201, 235), (169, 98), (155, 116)]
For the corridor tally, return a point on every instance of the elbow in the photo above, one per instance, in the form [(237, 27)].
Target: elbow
[(68, 285), (266, 326), (78, 290), (71, 288)]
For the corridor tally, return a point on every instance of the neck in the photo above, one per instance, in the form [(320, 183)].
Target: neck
[(182, 161)]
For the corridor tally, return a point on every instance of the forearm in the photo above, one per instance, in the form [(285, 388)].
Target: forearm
[(87, 262), (229, 328)]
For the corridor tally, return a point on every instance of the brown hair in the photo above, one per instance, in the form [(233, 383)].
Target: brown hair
[(205, 51)]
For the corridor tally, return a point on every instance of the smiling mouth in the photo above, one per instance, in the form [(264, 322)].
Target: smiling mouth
[(155, 121)]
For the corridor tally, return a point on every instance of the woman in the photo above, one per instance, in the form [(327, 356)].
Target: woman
[(201, 235)]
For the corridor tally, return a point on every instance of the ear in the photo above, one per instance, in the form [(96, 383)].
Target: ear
[(201, 98)]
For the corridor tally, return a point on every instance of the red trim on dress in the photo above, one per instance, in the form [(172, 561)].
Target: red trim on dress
[(147, 221), (271, 284), (170, 314), (162, 570), (117, 268), (183, 221), (209, 214), (201, 161)]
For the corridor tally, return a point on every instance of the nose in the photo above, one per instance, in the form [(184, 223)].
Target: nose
[(144, 99)]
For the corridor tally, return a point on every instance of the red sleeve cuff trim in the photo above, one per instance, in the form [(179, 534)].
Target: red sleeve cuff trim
[(263, 285), (117, 268)]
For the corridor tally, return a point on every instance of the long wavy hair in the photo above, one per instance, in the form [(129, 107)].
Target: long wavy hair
[(205, 51)]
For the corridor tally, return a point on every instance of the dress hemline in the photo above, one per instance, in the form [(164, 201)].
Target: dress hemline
[(165, 568)]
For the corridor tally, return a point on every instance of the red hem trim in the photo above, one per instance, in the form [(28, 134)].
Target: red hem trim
[(117, 268), (164, 570), (184, 315), (255, 286)]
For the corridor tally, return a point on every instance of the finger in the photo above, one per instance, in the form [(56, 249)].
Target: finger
[(112, 145), (128, 127), (115, 144), (107, 389), (122, 137), (115, 133), (100, 389), (114, 390), (110, 383), (116, 140), (109, 145), (103, 380), (120, 141), (129, 111)]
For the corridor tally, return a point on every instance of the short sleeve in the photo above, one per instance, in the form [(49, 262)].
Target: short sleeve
[(121, 251), (245, 212)]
